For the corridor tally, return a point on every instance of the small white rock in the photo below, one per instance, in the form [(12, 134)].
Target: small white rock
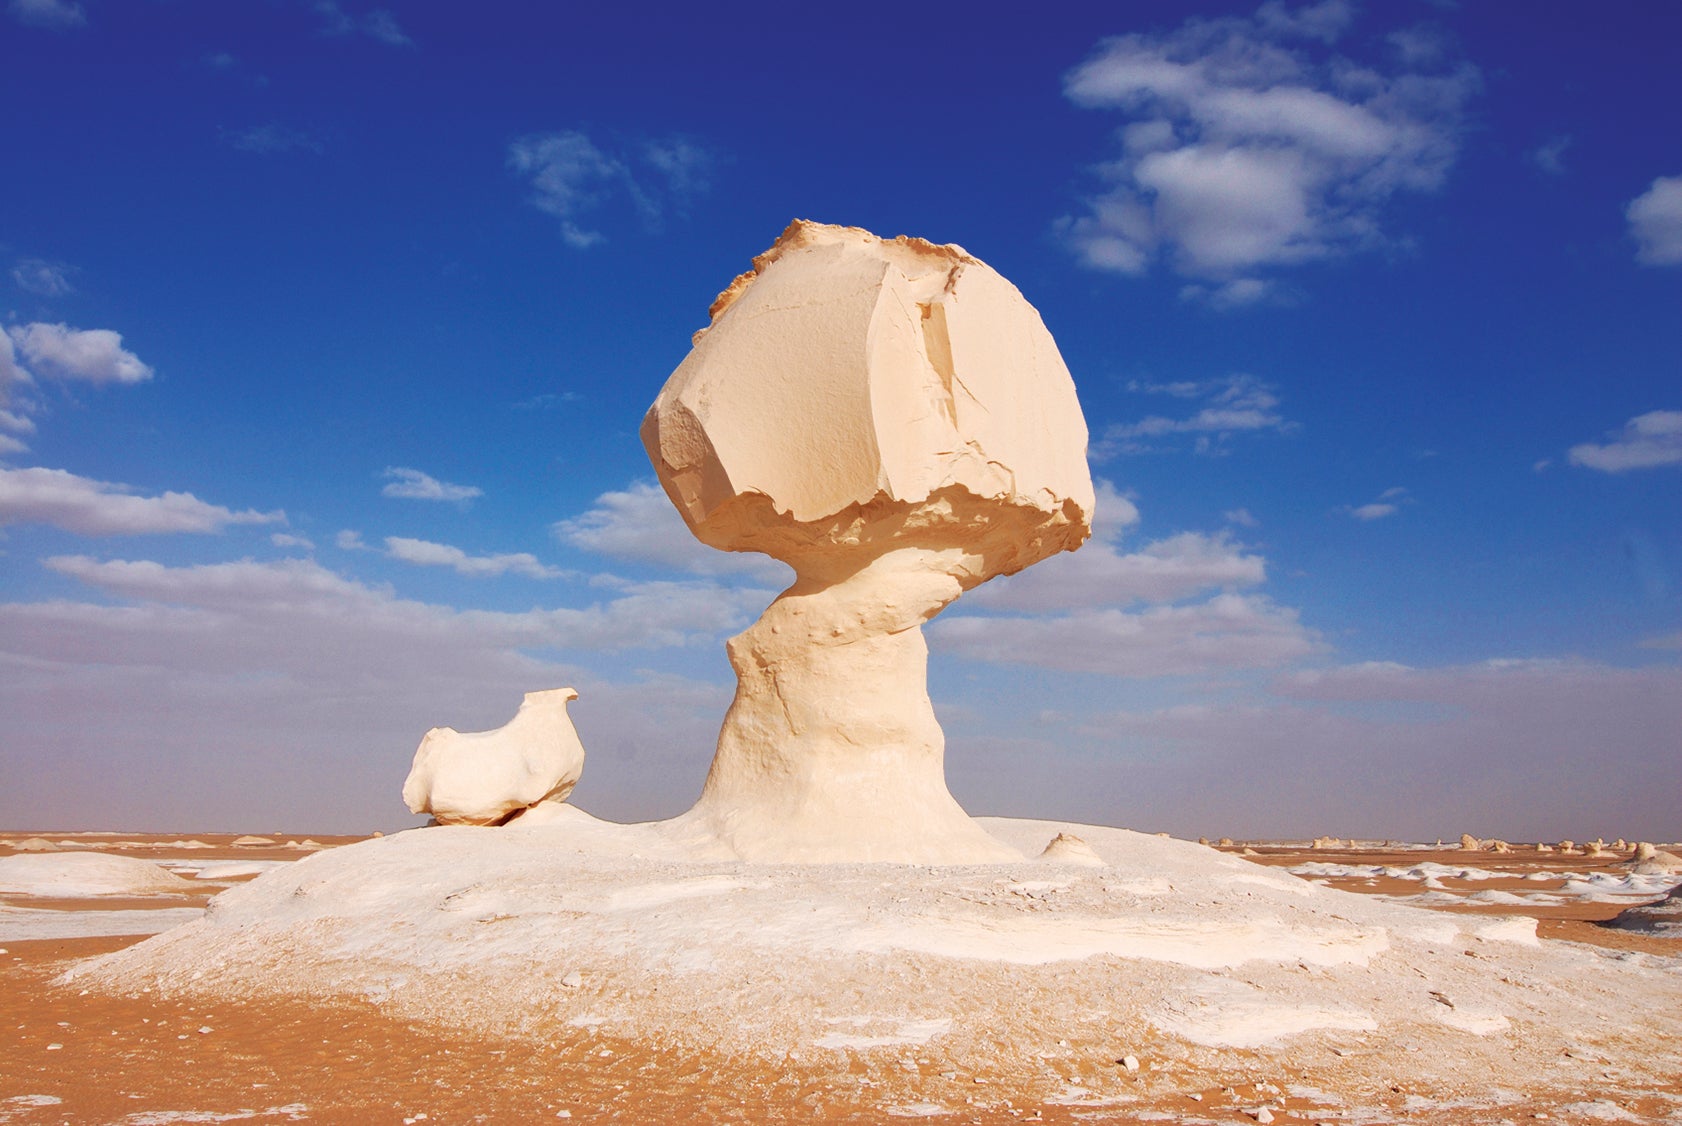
[(205, 1028), (573, 980), (1131, 1063), (1261, 1114), (563, 1114), (54, 1047)]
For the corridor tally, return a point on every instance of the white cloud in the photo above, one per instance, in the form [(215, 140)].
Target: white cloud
[(1646, 441), (571, 176), (1655, 222), (1229, 631), (48, 279), (286, 539), (1389, 503), (378, 24), (412, 484), (1240, 517), (641, 524), (427, 554), (1549, 156), (1250, 145), (272, 139), (1238, 403), (100, 508), (54, 14), (1099, 574), (94, 355), (1234, 294), (350, 540)]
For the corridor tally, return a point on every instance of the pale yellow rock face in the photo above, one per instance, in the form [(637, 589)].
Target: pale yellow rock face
[(852, 388), (893, 420)]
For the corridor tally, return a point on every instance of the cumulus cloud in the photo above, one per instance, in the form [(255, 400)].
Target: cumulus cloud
[(56, 15), (39, 276), (1645, 442), (1229, 631), (94, 355), (1102, 574), (287, 539), (412, 484), (428, 554), (1235, 404), (1655, 222), (572, 177), (99, 508), (1250, 144), (641, 524)]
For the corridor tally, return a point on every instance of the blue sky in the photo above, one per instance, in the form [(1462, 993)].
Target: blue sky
[(328, 329)]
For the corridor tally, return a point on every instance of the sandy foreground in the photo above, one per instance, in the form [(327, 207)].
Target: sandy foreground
[(200, 1047)]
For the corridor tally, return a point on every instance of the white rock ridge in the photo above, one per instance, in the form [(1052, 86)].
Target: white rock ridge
[(485, 777), (892, 419)]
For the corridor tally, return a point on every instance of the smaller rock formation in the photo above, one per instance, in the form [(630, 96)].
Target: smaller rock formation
[(1327, 842), (1469, 843), (1568, 846), (1651, 861), (1066, 848), (1663, 919), (1498, 846), (1225, 842), (484, 777)]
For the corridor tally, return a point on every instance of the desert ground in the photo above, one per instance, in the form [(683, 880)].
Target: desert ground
[(151, 1056)]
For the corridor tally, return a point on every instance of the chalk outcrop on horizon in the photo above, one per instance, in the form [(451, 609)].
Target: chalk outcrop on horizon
[(892, 419), (484, 777)]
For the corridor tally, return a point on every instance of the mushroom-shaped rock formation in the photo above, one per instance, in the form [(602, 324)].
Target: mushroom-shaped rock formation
[(892, 419), (483, 777)]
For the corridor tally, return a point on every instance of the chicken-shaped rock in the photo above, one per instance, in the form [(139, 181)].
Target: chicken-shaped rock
[(485, 777)]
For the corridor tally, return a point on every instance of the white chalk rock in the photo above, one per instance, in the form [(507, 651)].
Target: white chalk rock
[(85, 874), (482, 777), (1066, 848), (892, 419), (1651, 861)]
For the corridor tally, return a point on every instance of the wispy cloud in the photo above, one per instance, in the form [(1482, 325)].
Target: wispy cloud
[(427, 554), (1549, 156), (1229, 631), (47, 279), (1236, 404), (287, 539), (88, 507), (1389, 503), (273, 139), (572, 177), (1251, 145), (378, 24), (642, 525), (55, 15), (412, 484), (1645, 442), (1655, 222)]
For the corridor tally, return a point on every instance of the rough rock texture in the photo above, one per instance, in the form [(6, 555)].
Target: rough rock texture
[(892, 419), (484, 777), (1650, 860), (1661, 918)]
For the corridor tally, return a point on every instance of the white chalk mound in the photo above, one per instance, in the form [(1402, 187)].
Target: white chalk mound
[(1168, 944), (75, 875), (892, 419), (484, 777)]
